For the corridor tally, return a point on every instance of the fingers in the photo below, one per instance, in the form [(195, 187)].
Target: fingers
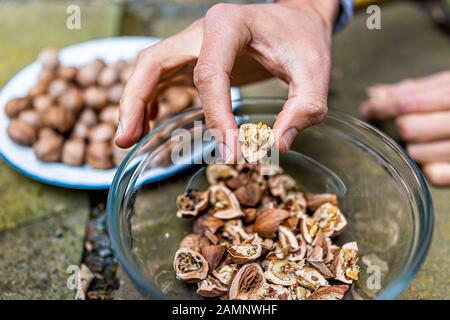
[(225, 35), (307, 103), (419, 127), (422, 95), (152, 64), (430, 152), (438, 173)]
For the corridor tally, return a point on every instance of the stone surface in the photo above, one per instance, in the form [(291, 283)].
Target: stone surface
[(42, 228)]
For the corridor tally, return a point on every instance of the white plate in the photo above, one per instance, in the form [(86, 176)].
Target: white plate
[(22, 158)]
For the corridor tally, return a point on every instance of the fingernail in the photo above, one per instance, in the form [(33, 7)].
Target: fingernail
[(225, 153), (118, 132), (289, 136)]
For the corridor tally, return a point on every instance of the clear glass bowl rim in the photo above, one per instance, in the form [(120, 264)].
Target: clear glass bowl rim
[(391, 291)]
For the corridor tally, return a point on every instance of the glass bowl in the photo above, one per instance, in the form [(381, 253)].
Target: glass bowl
[(381, 191)]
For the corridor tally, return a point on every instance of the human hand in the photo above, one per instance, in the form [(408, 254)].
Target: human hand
[(421, 108), (290, 39)]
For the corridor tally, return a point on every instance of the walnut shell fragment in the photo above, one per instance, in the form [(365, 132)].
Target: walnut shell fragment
[(271, 291), (218, 172), (190, 265), (191, 203), (211, 288), (248, 251), (345, 266), (281, 272), (267, 223), (310, 278), (247, 283), (336, 292), (225, 273), (330, 219), (255, 141), (224, 202), (315, 200), (21, 132)]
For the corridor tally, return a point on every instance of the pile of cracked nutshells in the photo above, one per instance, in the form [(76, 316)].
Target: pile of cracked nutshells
[(72, 113), (256, 237)]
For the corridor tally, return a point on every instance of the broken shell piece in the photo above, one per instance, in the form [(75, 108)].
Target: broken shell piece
[(287, 240), (224, 202), (213, 223), (274, 292), (248, 251), (267, 223), (191, 241), (190, 266), (213, 254), (310, 278), (330, 219), (336, 292), (308, 228), (211, 288), (225, 273), (281, 272), (322, 268), (255, 140), (300, 254), (299, 293), (345, 266), (247, 282), (191, 203), (280, 185), (217, 172), (234, 231), (315, 200), (84, 281), (295, 203)]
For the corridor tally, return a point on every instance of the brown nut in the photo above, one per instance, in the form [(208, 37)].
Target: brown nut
[(99, 155), (213, 254), (267, 223), (176, 98), (119, 154), (115, 93), (126, 72), (49, 58), (249, 195), (21, 132), (48, 147), (56, 88), (224, 202), (308, 228), (247, 283), (249, 215), (248, 251), (107, 77), (336, 292), (191, 203), (211, 288), (31, 117), (330, 219), (73, 152), (110, 115), (191, 241), (310, 278), (190, 266), (225, 273), (80, 131), (42, 103), (102, 132), (88, 117), (71, 99), (67, 73), (345, 261), (16, 106), (95, 98), (218, 172), (315, 200), (88, 74), (281, 272), (38, 90), (274, 292), (280, 185), (45, 76), (61, 120)]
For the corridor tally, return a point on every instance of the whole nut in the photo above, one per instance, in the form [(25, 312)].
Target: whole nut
[(88, 117), (88, 74), (110, 115), (59, 119), (49, 58), (267, 223), (31, 117), (42, 103), (67, 73), (45, 76), (71, 99), (119, 154), (73, 152), (98, 155), (39, 89), (95, 97), (80, 131), (49, 146), (17, 105), (115, 92), (21, 132), (107, 77), (57, 87), (102, 132), (249, 195)]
